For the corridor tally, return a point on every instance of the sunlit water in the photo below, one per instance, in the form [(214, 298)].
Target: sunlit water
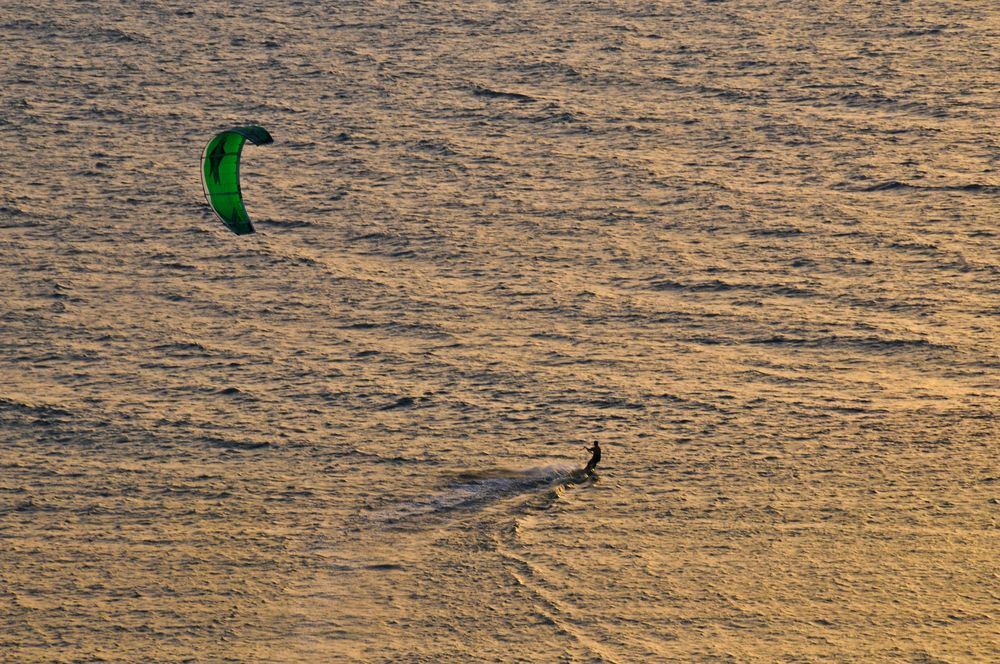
[(751, 247)]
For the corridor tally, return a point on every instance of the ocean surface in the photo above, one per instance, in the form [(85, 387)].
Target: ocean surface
[(750, 246)]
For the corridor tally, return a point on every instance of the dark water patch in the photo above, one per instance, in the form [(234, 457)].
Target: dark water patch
[(754, 375), (231, 392), (719, 286), (386, 244), (8, 405), (873, 343), (12, 216), (707, 341), (27, 25), (234, 445), (561, 360), (889, 186), (666, 397), (923, 32), (74, 356), (30, 505), (269, 109), (560, 117), (713, 285), (423, 330), (489, 93), (545, 70), (405, 402), (555, 336), (374, 457), (114, 36), (178, 267), (76, 32), (182, 349), (913, 246), (436, 147), (859, 99), (614, 403), (787, 231), (289, 495), (856, 409), (728, 94), (372, 237), (881, 102), (789, 291), (896, 185), (284, 223), (507, 291)]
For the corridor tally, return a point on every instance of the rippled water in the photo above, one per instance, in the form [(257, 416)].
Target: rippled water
[(751, 247)]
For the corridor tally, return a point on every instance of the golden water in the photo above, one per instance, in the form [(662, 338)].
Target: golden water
[(751, 247)]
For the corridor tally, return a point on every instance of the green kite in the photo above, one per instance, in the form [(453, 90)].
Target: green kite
[(220, 175)]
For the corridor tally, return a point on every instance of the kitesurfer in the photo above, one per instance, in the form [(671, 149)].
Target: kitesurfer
[(594, 460)]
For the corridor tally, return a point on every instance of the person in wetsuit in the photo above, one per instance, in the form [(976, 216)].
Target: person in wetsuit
[(594, 460)]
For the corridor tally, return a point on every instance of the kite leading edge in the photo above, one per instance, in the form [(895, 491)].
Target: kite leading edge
[(220, 175)]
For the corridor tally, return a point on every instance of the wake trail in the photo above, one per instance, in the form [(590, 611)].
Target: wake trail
[(470, 491)]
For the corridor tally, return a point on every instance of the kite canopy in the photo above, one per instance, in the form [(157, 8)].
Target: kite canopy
[(220, 175)]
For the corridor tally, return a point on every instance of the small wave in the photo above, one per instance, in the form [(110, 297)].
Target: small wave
[(874, 343), (894, 185), (402, 402), (235, 445), (24, 407), (718, 286), (115, 35), (436, 147), (786, 231), (284, 223), (923, 32), (712, 285), (480, 91), (12, 216), (48, 29), (182, 349), (373, 237), (28, 25)]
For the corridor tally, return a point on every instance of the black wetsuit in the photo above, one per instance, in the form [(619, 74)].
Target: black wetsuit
[(594, 460)]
